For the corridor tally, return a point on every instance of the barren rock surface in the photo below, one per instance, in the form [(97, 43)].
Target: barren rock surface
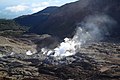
[(8, 45), (95, 61)]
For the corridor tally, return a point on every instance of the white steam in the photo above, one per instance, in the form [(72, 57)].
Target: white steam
[(69, 47), (66, 48), (93, 28), (30, 53)]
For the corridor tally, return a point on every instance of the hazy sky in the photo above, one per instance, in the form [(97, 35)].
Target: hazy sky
[(14, 8)]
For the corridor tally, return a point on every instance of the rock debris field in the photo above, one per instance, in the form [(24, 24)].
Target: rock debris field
[(95, 61)]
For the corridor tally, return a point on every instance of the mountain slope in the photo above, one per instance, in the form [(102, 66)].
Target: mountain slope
[(10, 28), (9, 25), (63, 21), (36, 19)]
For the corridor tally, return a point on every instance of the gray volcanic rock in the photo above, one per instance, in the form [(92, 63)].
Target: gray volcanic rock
[(94, 61)]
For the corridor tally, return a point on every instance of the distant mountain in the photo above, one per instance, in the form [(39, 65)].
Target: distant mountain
[(36, 19), (62, 21)]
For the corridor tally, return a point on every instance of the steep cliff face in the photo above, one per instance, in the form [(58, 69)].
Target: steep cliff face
[(63, 20)]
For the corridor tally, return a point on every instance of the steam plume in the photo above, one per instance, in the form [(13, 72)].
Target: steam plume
[(93, 28)]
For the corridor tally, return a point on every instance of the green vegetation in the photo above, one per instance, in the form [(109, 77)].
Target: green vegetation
[(9, 25), (10, 28)]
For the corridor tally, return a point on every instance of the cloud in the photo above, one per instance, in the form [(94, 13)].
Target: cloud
[(17, 8), (23, 8), (56, 1), (34, 10), (39, 6)]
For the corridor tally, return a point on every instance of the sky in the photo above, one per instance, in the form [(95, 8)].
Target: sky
[(10, 9)]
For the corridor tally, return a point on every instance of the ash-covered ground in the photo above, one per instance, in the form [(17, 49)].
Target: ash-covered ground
[(93, 61)]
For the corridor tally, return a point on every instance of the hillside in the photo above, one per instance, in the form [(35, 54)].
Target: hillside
[(10, 28), (63, 20), (9, 25), (36, 19)]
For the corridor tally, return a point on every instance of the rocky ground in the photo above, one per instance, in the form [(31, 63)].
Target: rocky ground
[(95, 61)]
